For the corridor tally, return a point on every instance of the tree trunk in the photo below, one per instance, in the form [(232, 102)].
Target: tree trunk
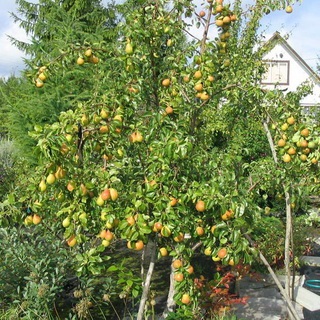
[(147, 281), (170, 301), (287, 243), (288, 236)]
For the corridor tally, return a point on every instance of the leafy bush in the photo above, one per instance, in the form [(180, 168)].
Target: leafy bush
[(274, 228), (32, 273), (313, 217)]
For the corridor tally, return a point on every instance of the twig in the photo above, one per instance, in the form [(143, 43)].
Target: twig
[(206, 30)]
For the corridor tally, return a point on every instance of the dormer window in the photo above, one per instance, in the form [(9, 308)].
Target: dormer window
[(277, 72)]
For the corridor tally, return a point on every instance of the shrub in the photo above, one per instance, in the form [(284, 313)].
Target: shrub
[(32, 273), (274, 228)]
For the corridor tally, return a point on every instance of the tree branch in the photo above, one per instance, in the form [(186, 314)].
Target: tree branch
[(276, 280), (147, 281)]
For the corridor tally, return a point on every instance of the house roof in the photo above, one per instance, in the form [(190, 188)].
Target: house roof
[(277, 38)]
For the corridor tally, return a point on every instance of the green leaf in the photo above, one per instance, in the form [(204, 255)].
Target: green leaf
[(112, 268)]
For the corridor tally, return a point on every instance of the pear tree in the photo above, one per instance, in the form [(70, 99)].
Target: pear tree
[(155, 156)]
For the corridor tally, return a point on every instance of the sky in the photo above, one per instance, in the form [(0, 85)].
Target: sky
[(302, 25)]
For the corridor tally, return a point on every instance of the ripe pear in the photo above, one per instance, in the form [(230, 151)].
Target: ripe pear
[(94, 59), (118, 117), (28, 220), (139, 137), (80, 61), (129, 48), (104, 114), (163, 252), (88, 52), (289, 9), (166, 82), (105, 194), (66, 222), (62, 173), (103, 129), (51, 178), (71, 186), (36, 219), (42, 69), (42, 76), (84, 120), (42, 186), (109, 235), (39, 83), (197, 75), (169, 42), (136, 137), (84, 190), (113, 194), (105, 243), (100, 201), (72, 241), (200, 206)]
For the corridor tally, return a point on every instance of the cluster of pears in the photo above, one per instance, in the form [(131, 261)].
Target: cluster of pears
[(107, 194), (301, 145), (135, 137), (87, 56), (41, 77), (129, 63), (32, 219), (103, 120), (224, 18), (51, 178)]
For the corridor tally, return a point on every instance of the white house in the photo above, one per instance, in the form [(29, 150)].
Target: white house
[(287, 70)]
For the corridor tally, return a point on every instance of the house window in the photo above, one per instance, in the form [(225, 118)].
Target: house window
[(277, 72)]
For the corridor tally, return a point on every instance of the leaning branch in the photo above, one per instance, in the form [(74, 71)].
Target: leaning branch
[(276, 280)]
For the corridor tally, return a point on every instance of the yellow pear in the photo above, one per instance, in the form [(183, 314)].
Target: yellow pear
[(66, 222), (51, 178), (42, 186), (113, 194), (36, 219), (129, 48)]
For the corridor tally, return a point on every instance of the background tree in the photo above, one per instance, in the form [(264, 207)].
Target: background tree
[(56, 29)]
